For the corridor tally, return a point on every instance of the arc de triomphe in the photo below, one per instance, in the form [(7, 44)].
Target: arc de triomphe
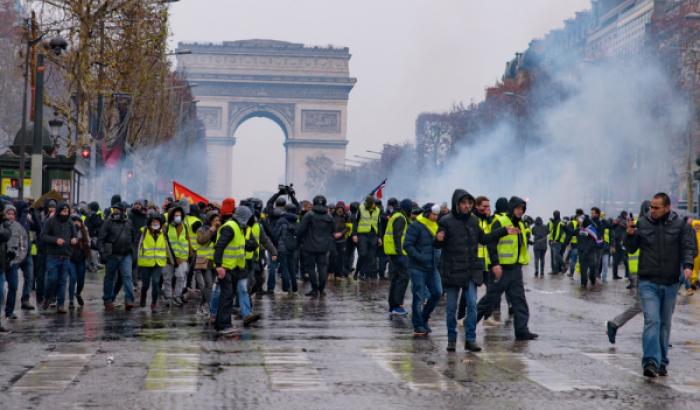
[(303, 89)]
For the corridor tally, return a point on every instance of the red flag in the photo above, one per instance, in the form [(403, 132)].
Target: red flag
[(180, 191), (378, 191)]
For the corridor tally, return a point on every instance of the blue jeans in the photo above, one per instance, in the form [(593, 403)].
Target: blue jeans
[(118, 265), (573, 257), (243, 297), (27, 267), (77, 279), (658, 302), (272, 267), (12, 282), (2, 288), (57, 270), (469, 295), (215, 295), (424, 285), (605, 260), (286, 266)]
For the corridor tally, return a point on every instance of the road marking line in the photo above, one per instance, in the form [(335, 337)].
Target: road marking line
[(626, 362), (173, 372), (53, 374), (411, 370), (291, 371), (537, 371)]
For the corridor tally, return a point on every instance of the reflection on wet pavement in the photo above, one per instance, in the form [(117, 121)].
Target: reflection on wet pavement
[(291, 370), (410, 369), (53, 374)]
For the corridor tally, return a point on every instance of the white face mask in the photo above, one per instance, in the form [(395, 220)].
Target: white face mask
[(177, 220), (155, 227)]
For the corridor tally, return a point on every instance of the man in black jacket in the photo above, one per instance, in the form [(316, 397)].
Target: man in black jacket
[(316, 235), (116, 242), (5, 234), (459, 236), (58, 235), (665, 243), (398, 260)]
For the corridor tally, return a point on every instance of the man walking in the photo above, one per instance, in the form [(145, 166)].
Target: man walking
[(665, 243)]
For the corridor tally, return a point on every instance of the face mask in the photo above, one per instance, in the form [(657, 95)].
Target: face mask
[(117, 217), (155, 227), (177, 220)]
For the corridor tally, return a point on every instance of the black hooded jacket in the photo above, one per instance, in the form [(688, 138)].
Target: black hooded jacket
[(459, 262), (57, 227), (513, 203), (316, 230)]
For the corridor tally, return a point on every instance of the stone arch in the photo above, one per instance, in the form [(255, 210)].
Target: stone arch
[(280, 114)]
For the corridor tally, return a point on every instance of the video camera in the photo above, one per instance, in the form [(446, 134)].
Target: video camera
[(286, 189)]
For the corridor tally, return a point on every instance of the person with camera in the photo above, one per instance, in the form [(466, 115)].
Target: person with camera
[(115, 244)]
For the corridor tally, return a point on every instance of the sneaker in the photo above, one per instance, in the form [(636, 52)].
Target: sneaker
[(61, 310), (312, 294), (472, 346), (650, 370), (109, 306), (11, 316), (27, 306), (250, 319), (663, 371), (420, 332), (45, 305), (322, 294), (80, 300), (128, 306), (227, 331), (71, 306), (527, 336), (395, 312), (611, 330), (401, 311), (451, 345), (492, 322), (510, 310)]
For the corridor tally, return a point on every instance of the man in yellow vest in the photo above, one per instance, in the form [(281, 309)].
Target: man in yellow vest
[(229, 259), (367, 235), (153, 254), (557, 237), (178, 239), (508, 256), (206, 239), (398, 261), (572, 232)]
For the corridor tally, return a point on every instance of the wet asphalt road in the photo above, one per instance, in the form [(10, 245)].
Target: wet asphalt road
[(344, 352)]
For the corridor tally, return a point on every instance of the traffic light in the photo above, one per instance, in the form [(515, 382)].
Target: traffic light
[(85, 152)]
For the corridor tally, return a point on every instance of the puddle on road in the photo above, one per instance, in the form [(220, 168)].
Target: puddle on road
[(291, 370), (410, 369), (53, 374), (631, 363), (173, 372), (537, 371)]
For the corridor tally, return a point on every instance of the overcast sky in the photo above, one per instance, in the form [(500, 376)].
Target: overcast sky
[(409, 56)]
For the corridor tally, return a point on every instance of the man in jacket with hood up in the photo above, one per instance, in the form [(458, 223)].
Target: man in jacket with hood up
[(58, 235), (394, 237), (459, 236), (116, 245), (665, 243), (316, 235), (229, 259), (508, 256)]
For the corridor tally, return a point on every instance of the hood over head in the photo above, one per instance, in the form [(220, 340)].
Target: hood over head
[(645, 208), (515, 202), (457, 197), (242, 215), (116, 198), (406, 205), (502, 205)]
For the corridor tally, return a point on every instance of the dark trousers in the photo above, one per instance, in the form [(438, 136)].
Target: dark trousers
[(150, 277), (349, 255), (620, 257), (40, 277), (287, 269), (589, 267), (337, 260), (398, 272), (511, 283), (539, 260), (367, 251), (225, 309), (317, 268)]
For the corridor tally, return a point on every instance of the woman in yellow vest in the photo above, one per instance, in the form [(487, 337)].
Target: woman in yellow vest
[(178, 239), (204, 265), (153, 254)]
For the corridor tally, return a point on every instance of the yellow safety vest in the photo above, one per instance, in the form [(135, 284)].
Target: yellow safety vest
[(483, 251), (234, 253), (389, 245), (179, 244), (255, 231), (574, 239), (206, 251), (368, 221), (555, 233), (189, 221), (633, 260), (606, 236), (153, 251), (83, 217), (508, 245), (348, 234)]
